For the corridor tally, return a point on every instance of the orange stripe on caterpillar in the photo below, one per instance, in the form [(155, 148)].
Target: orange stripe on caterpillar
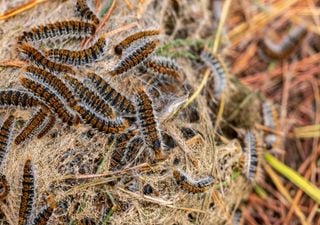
[(190, 185), (45, 213), (51, 120), (81, 57), (53, 82), (83, 11), (6, 131), (4, 187), (286, 46), (34, 124), (250, 149), (28, 192), (110, 95), (118, 49), (90, 98), (162, 66), (50, 99), (148, 123), (37, 58), (63, 29), (104, 125), (18, 98), (134, 58)]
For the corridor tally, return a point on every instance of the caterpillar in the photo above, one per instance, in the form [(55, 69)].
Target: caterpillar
[(52, 82), (28, 192), (286, 46), (219, 71), (64, 29), (33, 55), (45, 213), (81, 57), (6, 131), (121, 142), (118, 49), (162, 66), (148, 123), (237, 217), (18, 98), (50, 98), (250, 149), (36, 121), (135, 57), (90, 98), (110, 95), (190, 185), (49, 124), (4, 187), (269, 120), (83, 11), (101, 124)]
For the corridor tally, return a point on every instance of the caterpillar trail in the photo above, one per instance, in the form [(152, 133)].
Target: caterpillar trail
[(63, 29), (83, 11), (51, 99), (162, 66), (4, 187), (134, 58), (49, 124), (250, 149), (45, 213), (101, 124), (81, 57), (17, 98), (28, 192), (89, 97), (285, 48), (219, 71), (34, 124), (53, 82), (121, 142), (190, 185), (111, 96), (37, 58), (148, 123), (118, 49), (6, 131)]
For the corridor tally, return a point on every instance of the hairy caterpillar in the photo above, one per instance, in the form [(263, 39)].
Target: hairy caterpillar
[(101, 124), (4, 187), (286, 46), (33, 55), (190, 185), (110, 95), (18, 98), (219, 71), (118, 49), (45, 213), (162, 66), (134, 58), (36, 121), (90, 98), (52, 82), (50, 99), (81, 57), (250, 149), (83, 11), (64, 29), (6, 131), (148, 123), (28, 192), (49, 124)]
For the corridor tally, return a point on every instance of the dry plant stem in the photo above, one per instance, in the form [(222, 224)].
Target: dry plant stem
[(20, 9), (103, 21), (284, 192), (129, 4), (13, 63)]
